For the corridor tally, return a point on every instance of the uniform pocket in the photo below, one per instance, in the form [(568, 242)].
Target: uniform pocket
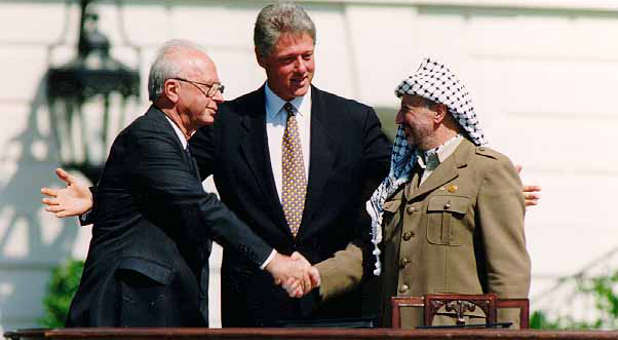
[(441, 210)]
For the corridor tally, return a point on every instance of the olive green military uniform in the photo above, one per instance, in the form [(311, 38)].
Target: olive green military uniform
[(460, 231)]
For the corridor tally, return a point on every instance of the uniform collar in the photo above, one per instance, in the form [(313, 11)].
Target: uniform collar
[(431, 158)]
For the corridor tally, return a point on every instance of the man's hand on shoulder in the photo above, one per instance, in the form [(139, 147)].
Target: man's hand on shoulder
[(530, 192), (72, 200)]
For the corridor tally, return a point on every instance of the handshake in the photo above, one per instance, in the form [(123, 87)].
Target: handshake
[(294, 273)]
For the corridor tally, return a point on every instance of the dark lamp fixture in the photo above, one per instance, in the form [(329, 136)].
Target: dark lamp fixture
[(92, 80)]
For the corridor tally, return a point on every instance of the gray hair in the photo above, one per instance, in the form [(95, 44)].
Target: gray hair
[(274, 19), (165, 66)]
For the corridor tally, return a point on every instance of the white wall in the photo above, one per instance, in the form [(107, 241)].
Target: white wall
[(542, 73)]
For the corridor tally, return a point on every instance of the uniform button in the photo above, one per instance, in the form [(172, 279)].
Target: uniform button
[(403, 262), (404, 288), (408, 235), (411, 209), (447, 205)]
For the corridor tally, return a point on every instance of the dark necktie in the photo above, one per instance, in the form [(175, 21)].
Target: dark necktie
[(294, 186), (193, 163)]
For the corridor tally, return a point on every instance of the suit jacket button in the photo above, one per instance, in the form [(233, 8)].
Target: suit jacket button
[(408, 235), (404, 262), (404, 288), (411, 209)]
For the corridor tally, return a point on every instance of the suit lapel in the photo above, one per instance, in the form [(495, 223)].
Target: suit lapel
[(321, 158), (254, 146), (158, 116), (445, 172)]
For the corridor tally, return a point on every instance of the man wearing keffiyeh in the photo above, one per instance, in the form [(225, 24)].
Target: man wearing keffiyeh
[(449, 216)]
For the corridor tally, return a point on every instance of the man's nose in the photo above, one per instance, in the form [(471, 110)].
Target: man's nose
[(300, 65), (218, 97)]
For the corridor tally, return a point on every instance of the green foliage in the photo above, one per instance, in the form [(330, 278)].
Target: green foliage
[(605, 297), (602, 290), (539, 320), (60, 290)]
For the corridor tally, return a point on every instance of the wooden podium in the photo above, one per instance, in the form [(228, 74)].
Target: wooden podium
[(302, 334), (457, 305)]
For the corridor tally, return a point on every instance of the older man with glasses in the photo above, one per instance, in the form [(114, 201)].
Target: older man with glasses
[(148, 259)]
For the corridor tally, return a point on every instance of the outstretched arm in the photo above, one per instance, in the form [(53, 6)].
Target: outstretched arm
[(72, 200)]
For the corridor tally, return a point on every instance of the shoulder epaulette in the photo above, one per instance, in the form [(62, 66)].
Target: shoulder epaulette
[(487, 152)]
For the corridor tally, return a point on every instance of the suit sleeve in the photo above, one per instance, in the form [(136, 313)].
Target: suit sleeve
[(377, 153), (172, 192), (203, 148), (501, 215), (345, 269)]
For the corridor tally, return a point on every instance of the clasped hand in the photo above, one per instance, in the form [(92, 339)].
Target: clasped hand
[(294, 273)]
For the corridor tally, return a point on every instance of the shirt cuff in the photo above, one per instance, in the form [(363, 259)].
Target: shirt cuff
[(85, 218), (268, 259)]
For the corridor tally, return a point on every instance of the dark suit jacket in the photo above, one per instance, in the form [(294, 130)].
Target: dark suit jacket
[(148, 259), (349, 157)]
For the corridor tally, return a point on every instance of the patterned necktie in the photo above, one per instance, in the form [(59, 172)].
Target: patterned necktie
[(294, 179)]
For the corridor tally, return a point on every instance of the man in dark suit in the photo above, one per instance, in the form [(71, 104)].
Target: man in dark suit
[(148, 259), (338, 156), (343, 156)]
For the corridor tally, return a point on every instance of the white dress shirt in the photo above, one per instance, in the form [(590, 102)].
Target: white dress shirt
[(276, 118), (181, 136)]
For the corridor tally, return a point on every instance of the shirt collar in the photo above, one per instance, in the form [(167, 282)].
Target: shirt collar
[(274, 103), (431, 158), (179, 133)]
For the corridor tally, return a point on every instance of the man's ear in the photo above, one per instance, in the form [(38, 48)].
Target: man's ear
[(440, 113), (171, 90), (258, 57)]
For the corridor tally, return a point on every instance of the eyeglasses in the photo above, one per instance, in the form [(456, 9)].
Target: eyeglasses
[(212, 88)]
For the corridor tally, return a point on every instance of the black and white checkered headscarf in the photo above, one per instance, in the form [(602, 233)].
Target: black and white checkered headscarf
[(433, 81)]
